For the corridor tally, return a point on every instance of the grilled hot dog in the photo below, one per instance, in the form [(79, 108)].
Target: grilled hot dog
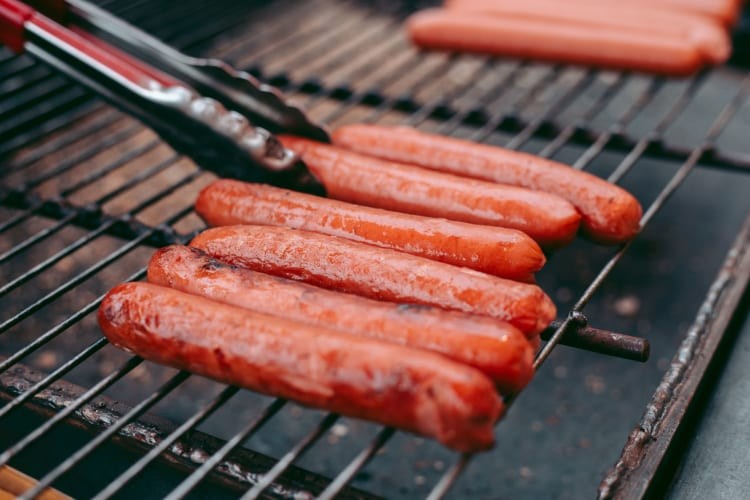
[(497, 349), (705, 33), (551, 40), (360, 179), (378, 273), (610, 214), (507, 253), (411, 389)]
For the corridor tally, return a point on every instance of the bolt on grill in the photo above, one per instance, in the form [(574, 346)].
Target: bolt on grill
[(86, 192)]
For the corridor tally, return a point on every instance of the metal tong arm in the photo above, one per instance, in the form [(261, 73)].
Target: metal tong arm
[(198, 126)]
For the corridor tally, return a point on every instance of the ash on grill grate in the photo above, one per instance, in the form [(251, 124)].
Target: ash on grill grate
[(347, 61)]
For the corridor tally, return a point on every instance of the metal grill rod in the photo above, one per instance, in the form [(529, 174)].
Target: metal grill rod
[(253, 426), (240, 56), (425, 111), (107, 225), (39, 204), (165, 443), (661, 127), (80, 278), (284, 462), (97, 389), (110, 141), (84, 354), (24, 79), (104, 120), (355, 465), (567, 132), (618, 126), (134, 413)]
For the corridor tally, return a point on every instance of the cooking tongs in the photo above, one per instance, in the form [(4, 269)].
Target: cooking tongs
[(219, 116)]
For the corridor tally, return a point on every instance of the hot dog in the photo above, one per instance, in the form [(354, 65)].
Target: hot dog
[(725, 11), (549, 40), (411, 389), (507, 253), (705, 33), (497, 349), (349, 176), (610, 214), (378, 273)]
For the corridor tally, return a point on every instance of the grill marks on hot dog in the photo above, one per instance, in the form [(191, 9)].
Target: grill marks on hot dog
[(356, 178), (378, 273), (507, 253), (610, 214), (411, 389), (497, 349)]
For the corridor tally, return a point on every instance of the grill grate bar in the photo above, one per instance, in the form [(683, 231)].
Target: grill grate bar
[(562, 102), (92, 270), (567, 132), (70, 284), (240, 55), (642, 145), (88, 237), (346, 475), (84, 154), (76, 457), (50, 86), (104, 120), (26, 125), (97, 389), (425, 111), (80, 278), (165, 443), (286, 461), (55, 331), (251, 428), (44, 233), (618, 126), (25, 78), (14, 65), (83, 355)]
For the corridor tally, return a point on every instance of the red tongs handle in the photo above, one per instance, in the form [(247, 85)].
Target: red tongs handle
[(16, 17), (13, 17)]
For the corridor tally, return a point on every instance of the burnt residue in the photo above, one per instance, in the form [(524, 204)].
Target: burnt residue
[(641, 456), (239, 471)]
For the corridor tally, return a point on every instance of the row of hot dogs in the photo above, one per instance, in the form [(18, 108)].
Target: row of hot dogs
[(370, 304), (675, 37)]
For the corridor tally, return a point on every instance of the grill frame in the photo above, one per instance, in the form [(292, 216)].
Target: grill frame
[(136, 233)]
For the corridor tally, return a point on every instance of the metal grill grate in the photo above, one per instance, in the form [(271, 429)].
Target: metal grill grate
[(87, 192)]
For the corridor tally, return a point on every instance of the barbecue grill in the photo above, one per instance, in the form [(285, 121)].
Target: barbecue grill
[(87, 192)]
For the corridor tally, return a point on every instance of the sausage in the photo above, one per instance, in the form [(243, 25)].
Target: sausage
[(706, 34), (411, 389), (378, 273), (497, 349), (554, 41), (725, 11), (348, 176), (610, 214), (507, 253)]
